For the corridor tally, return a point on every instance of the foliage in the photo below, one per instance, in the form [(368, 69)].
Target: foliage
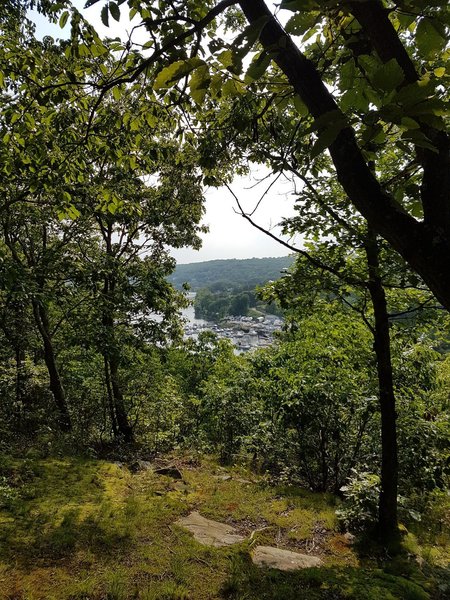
[(87, 219), (361, 492), (231, 274), (214, 305), (307, 411), (230, 408), (106, 148)]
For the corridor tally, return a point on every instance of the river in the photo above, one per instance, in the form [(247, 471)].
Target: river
[(189, 312)]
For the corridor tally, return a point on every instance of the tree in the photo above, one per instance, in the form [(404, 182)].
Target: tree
[(385, 67), (123, 188), (349, 261)]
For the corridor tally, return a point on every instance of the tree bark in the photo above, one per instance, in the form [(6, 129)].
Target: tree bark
[(435, 192), (56, 386), (121, 426), (425, 246), (124, 428), (387, 513), (110, 397)]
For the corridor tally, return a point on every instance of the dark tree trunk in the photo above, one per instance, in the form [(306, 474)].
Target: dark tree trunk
[(56, 386), (21, 397), (121, 425), (124, 428), (110, 396), (387, 516), (424, 245)]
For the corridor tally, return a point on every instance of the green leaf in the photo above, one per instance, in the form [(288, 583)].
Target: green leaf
[(104, 15), (354, 98), (72, 212), (327, 137), (389, 76), (369, 63), (430, 37), (226, 58), (232, 88), (250, 35), (416, 210), (411, 94), (299, 5), (439, 72), (328, 119), (309, 34), (114, 10), (258, 66), (63, 19), (174, 72), (199, 83), (410, 123), (301, 23), (419, 139), (117, 93), (300, 106)]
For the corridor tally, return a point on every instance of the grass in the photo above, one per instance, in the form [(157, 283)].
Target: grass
[(78, 529)]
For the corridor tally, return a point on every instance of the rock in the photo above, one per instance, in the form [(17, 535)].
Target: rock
[(179, 486), (208, 532), (140, 465), (284, 560), (170, 471), (223, 477)]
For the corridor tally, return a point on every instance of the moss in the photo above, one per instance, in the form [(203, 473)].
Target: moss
[(90, 530)]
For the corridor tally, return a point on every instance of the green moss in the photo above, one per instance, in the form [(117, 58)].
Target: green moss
[(90, 530)]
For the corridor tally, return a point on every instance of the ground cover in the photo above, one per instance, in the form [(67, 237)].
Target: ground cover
[(84, 529)]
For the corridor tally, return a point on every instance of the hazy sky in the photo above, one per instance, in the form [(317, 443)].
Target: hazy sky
[(230, 235)]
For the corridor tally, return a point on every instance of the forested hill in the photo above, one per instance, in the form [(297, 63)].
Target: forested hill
[(230, 273)]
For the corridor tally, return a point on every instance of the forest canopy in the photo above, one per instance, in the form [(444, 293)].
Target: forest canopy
[(108, 146)]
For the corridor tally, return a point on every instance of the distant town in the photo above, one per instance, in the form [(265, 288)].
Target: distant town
[(246, 333)]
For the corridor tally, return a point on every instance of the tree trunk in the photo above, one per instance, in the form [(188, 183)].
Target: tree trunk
[(21, 397), (124, 428), (387, 515), (425, 246), (110, 353), (56, 386), (110, 397)]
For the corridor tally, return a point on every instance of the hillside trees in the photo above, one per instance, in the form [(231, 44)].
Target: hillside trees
[(129, 296), (87, 216)]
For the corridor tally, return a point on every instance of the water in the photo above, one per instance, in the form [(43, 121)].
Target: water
[(189, 312)]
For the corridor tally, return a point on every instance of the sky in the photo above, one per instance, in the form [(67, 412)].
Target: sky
[(230, 235)]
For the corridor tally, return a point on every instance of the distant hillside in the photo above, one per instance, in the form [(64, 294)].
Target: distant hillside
[(232, 273)]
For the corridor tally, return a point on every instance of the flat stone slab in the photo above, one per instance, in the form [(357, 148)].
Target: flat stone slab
[(208, 532), (284, 560)]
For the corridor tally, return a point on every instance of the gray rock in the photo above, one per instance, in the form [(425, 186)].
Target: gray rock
[(223, 477), (170, 471), (208, 532), (140, 465), (284, 560)]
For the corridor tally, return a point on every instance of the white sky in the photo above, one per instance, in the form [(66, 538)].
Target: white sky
[(230, 235)]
